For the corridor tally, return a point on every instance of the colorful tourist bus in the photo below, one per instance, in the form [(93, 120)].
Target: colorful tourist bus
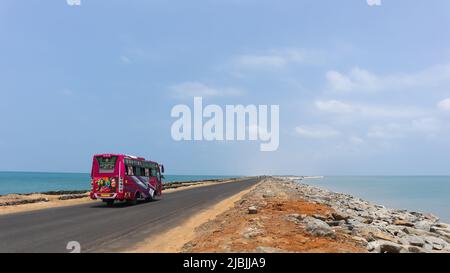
[(125, 178)]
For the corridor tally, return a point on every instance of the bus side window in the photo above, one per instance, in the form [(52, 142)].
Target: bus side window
[(134, 171), (147, 172), (129, 170)]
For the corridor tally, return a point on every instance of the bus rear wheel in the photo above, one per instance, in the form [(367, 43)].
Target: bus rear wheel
[(134, 201), (109, 203)]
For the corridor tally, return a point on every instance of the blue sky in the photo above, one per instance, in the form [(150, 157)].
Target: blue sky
[(361, 89)]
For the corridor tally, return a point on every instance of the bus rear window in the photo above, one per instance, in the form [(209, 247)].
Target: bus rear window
[(106, 164)]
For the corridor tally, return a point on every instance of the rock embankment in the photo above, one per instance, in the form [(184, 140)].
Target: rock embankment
[(378, 228), (282, 215)]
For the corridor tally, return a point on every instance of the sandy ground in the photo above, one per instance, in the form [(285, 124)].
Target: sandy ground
[(174, 239), (54, 202)]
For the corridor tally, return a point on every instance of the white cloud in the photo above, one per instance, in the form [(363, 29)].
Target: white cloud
[(356, 140), (426, 126), (389, 131), (317, 132), (444, 105), (362, 80), (193, 89), (275, 59), (370, 111), (334, 106)]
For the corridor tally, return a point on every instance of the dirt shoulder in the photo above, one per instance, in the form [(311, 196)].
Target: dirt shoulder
[(174, 239), (15, 203)]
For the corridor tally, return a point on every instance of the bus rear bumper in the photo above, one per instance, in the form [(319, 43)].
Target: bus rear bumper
[(104, 196)]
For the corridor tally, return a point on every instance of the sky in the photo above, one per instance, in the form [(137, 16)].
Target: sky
[(362, 90)]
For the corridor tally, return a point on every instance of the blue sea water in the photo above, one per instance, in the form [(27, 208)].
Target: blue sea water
[(29, 182), (416, 193)]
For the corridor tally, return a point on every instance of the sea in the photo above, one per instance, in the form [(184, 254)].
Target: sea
[(31, 182), (416, 193)]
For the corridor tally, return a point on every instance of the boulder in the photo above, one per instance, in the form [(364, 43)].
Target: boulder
[(414, 240), (403, 223), (423, 225), (415, 249), (321, 217), (436, 243), (338, 216), (390, 247), (318, 228), (252, 210), (384, 236)]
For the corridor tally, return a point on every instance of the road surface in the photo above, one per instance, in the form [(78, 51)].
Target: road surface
[(99, 228)]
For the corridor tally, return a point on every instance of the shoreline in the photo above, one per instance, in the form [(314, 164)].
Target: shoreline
[(285, 216), (279, 214)]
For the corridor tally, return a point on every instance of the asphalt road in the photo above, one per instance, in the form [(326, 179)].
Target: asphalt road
[(99, 228)]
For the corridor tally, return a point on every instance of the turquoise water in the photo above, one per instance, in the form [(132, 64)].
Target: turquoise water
[(417, 193), (28, 182)]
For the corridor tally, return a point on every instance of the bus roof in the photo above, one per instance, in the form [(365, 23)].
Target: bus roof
[(125, 156)]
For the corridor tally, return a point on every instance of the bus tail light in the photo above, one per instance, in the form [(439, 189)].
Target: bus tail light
[(120, 184)]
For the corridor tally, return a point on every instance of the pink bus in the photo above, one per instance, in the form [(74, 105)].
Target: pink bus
[(125, 178)]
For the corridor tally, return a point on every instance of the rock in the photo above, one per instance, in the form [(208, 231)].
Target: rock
[(320, 217), (423, 225), (431, 217), (390, 247), (436, 243), (338, 216), (252, 210), (415, 249), (318, 228), (268, 249), (360, 240), (24, 201), (414, 240), (373, 246), (418, 232), (72, 196), (384, 236), (443, 233), (428, 247), (403, 223), (295, 217), (353, 222), (268, 194), (395, 230), (340, 223), (252, 232)]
